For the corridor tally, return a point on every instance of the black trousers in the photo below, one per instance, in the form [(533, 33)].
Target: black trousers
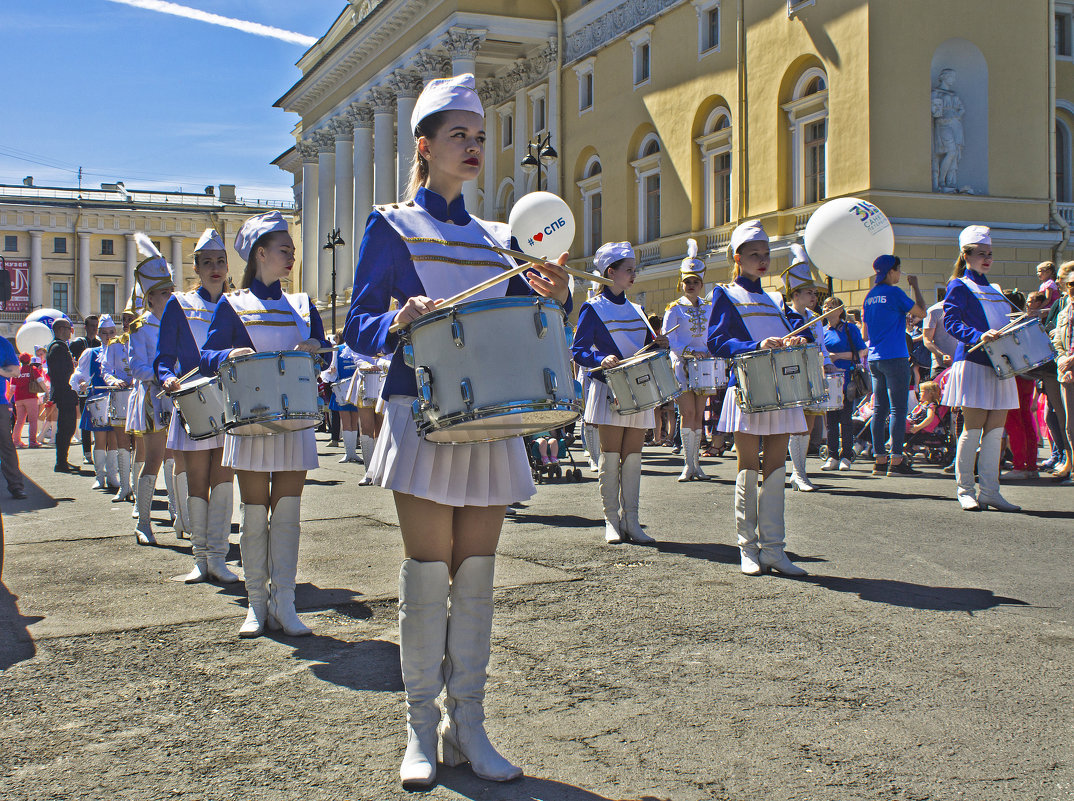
[(9, 457), (87, 441), (67, 406), (838, 422)]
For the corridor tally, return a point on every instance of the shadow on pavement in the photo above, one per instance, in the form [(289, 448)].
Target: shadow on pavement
[(16, 644), (710, 551), (529, 788), (565, 521), (890, 496), (915, 596)]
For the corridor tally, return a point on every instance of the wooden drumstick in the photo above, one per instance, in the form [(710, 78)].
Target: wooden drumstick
[(182, 378), (600, 279), (651, 344), (1003, 330), (811, 323)]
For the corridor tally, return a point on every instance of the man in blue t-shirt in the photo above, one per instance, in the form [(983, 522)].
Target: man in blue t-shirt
[(9, 458), (884, 313)]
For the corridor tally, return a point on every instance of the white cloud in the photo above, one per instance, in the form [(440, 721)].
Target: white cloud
[(216, 19)]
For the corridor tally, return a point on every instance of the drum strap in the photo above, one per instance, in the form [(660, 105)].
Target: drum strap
[(760, 313), (993, 302)]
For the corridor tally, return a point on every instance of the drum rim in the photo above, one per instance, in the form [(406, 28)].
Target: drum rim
[(497, 410), (182, 392), (756, 352), (473, 306), (270, 418), (269, 354), (639, 358)]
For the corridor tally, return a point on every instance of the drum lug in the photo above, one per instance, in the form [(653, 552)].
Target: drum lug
[(551, 384), (231, 373), (416, 410), (541, 323), (467, 393), (456, 332), (408, 355), (235, 411), (423, 376), (201, 396), (280, 365), (283, 401), (568, 334)]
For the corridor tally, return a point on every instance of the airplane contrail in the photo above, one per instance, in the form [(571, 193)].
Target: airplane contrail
[(216, 19)]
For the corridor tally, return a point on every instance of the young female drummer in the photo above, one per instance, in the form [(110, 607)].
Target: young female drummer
[(744, 318), (973, 311), (801, 291), (148, 414), (340, 371), (115, 365), (370, 407), (610, 329), (451, 499), (271, 468), (201, 477), (88, 377), (691, 314)]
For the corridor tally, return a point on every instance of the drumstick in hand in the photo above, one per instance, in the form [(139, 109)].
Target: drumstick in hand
[(600, 279), (807, 326), (651, 344), (182, 378), (1003, 330)]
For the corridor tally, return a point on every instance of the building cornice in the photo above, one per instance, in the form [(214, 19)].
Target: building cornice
[(600, 23)]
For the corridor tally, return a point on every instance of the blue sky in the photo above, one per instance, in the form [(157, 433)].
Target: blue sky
[(148, 98)]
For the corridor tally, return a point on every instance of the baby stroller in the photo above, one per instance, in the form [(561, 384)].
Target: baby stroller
[(555, 468)]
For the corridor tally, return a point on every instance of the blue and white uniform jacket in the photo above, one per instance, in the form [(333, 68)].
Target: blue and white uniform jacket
[(743, 316), (971, 307), (609, 325), (184, 327)]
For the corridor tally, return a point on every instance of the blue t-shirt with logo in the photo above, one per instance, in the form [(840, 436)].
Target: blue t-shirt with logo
[(884, 313)]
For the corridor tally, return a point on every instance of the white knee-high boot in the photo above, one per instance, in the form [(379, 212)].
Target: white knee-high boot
[(111, 469), (423, 596), (746, 521), (988, 473), (965, 457), (608, 481), (182, 495), (798, 446), (123, 462), (699, 474), (144, 507), (368, 445), (469, 634), (283, 567), (100, 468), (771, 530), (173, 506), (350, 443), (689, 443), (136, 475), (253, 543), (199, 515), (591, 440), (218, 532), (630, 495)]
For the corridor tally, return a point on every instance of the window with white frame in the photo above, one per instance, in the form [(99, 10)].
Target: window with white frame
[(108, 299), (1062, 163), (641, 47), (715, 146), (59, 295), (507, 126), (1064, 22), (591, 187), (538, 110), (647, 173), (808, 115), (708, 26), (584, 71)]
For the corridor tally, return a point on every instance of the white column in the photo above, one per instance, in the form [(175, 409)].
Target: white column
[(551, 113), (383, 102), (362, 118), (344, 219), (83, 278), (492, 149), (407, 85), (462, 44), (37, 277), (177, 262), (521, 138), (132, 263), (310, 245), (326, 208)]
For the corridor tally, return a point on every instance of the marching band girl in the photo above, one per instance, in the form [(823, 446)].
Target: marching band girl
[(116, 368), (801, 291), (343, 366), (201, 478), (147, 415), (370, 415), (974, 311), (610, 329), (271, 468), (745, 318), (691, 314), (88, 377), (451, 499)]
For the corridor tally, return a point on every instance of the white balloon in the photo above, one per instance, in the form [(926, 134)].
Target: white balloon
[(543, 225), (46, 316), (32, 335), (844, 236)]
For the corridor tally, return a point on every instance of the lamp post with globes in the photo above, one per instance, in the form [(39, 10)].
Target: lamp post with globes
[(539, 155), (334, 241)]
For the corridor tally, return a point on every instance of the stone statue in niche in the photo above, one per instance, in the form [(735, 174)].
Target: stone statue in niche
[(947, 134)]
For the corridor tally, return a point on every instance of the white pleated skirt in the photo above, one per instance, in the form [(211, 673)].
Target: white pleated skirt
[(144, 409), (296, 450), (976, 386), (782, 421), (600, 409), (178, 440), (475, 474)]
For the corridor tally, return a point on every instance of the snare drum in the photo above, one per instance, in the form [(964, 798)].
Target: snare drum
[(200, 404), (97, 411), (705, 376), (118, 400), (834, 401), (367, 387), (642, 382), (1020, 349), (780, 378), (492, 369), (269, 393)]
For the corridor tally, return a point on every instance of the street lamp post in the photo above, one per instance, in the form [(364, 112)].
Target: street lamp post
[(539, 155), (334, 240)]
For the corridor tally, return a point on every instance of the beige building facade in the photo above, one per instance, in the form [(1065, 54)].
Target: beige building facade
[(680, 118), (74, 250)]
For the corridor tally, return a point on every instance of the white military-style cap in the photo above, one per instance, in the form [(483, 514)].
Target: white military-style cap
[(255, 228), (692, 266), (106, 321), (210, 240), (749, 231), (611, 252), (458, 93), (154, 272), (798, 255), (975, 235), (799, 276)]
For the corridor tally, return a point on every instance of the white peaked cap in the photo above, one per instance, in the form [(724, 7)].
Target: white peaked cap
[(610, 253), (975, 235), (210, 240), (153, 272), (749, 231), (798, 255), (255, 228), (447, 94), (106, 321)]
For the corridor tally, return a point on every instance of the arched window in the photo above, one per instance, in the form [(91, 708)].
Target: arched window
[(647, 174), (715, 146), (505, 199), (591, 187), (808, 115), (1062, 162)]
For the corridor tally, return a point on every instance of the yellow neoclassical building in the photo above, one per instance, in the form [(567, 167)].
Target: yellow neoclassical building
[(679, 118)]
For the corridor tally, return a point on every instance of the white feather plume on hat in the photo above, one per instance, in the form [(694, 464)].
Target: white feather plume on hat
[(153, 272), (692, 266)]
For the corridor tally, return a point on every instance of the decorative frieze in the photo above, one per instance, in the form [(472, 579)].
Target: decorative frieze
[(620, 20), (523, 73)]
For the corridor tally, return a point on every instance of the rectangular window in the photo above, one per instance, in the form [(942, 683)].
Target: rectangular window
[(585, 92), (1062, 35), (721, 189), (538, 115), (508, 138), (815, 139), (596, 235), (712, 29), (107, 247), (641, 64), (59, 244), (59, 296), (652, 207), (108, 299), (11, 243)]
